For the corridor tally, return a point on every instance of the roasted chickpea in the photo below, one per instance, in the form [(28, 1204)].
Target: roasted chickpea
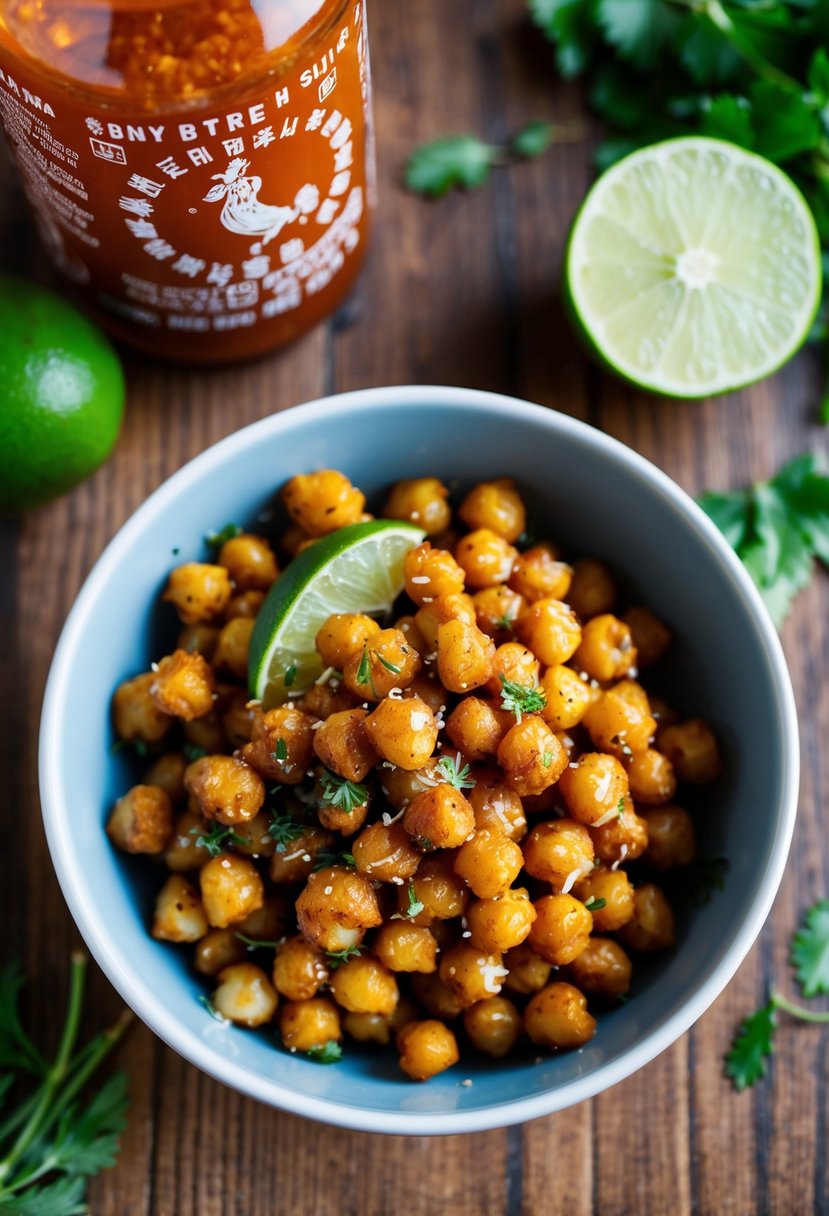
[(439, 818), (250, 561), (557, 1017), (559, 852), (651, 637), (364, 985), (268, 922), (531, 756), (400, 786), (219, 948), (305, 1025), (603, 969), (671, 838), (199, 638), (299, 969), (402, 946), (421, 501), (537, 575), (404, 732), (692, 749), (432, 995), (142, 821), (368, 1028), (476, 727), (622, 839), (496, 807), (439, 611), (606, 650), (184, 685), (426, 1048), (561, 929), (167, 772), (230, 888), (206, 733), (227, 789), (336, 907), (343, 635), (231, 653), (528, 972), (567, 695), (343, 744), (613, 891), (409, 627), (551, 630), (593, 589), (651, 927), (245, 995), (496, 505), (651, 777), (282, 745), (294, 860), (322, 502), (430, 572), (198, 591), (500, 924), (385, 853), (595, 788), (465, 656), (253, 838), (389, 662), (179, 913), (497, 609), (515, 663), (293, 540), (341, 808), (485, 558), (437, 887), (493, 1025), (137, 717), (471, 973), (323, 700), (489, 863), (246, 604), (618, 725), (183, 852)]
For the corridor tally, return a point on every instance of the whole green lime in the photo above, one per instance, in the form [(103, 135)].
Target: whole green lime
[(61, 396)]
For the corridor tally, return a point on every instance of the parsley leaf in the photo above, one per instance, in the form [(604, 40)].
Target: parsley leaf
[(340, 793), (327, 1053), (519, 699), (810, 950), (745, 1063)]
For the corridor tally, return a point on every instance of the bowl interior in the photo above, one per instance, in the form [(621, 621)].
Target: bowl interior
[(584, 491)]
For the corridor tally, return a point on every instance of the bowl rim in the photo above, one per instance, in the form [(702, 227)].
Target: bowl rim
[(149, 1006)]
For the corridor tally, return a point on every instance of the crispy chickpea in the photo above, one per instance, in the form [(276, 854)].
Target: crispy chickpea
[(293, 540), (515, 663), (198, 591), (593, 589), (457, 606), (388, 662), (245, 995), (557, 1017), (404, 732), (430, 572), (528, 972), (364, 985), (184, 685), (322, 502), (343, 744), (618, 725), (402, 946), (142, 821), (434, 996), (227, 789), (137, 717), (594, 788), (426, 1048), (167, 772), (231, 653), (497, 808), (551, 629), (252, 838), (295, 860), (489, 863), (308, 1024), (538, 575), (219, 948), (568, 697), (401, 786), (206, 733), (368, 1028), (616, 889), (651, 777), (250, 561), (421, 501), (439, 818), (246, 604), (438, 888), (606, 650), (179, 914), (622, 838), (497, 609), (651, 637), (500, 924), (496, 505), (231, 889), (385, 853), (338, 809), (299, 969), (692, 749), (323, 700), (471, 973), (476, 728), (493, 1026), (238, 716), (558, 852), (270, 921), (485, 558), (603, 969), (282, 745), (198, 638), (561, 929), (672, 841), (664, 713), (182, 852), (531, 756), (408, 625), (651, 927), (465, 656), (336, 907), (342, 635)]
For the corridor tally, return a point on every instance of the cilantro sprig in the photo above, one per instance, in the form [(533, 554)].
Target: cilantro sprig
[(284, 829), (327, 1053), (337, 957), (216, 838), (454, 775), (465, 162), (216, 539), (519, 699), (338, 792), (327, 857)]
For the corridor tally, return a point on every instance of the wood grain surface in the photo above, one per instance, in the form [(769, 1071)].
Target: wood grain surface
[(461, 292)]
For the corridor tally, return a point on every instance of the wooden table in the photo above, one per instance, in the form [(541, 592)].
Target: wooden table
[(461, 292)]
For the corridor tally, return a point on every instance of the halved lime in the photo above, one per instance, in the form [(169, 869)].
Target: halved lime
[(694, 267), (355, 569)]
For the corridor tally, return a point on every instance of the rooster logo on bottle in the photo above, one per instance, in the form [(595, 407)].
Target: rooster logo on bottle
[(243, 212)]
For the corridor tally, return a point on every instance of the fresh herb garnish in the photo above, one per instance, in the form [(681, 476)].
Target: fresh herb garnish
[(518, 699), (547, 759), (192, 751), (593, 904), (810, 950), (285, 830), (415, 907), (289, 679), (53, 1141), (340, 793), (217, 539), (337, 957), (281, 751), (206, 1002), (505, 622), (463, 161), (364, 675), (326, 858), (620, 807), (216, 838), (392, 667), (454, 775), (328, 1053), (255, 943)]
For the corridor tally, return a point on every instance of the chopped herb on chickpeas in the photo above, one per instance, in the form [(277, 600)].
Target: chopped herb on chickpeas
[(367, 841)]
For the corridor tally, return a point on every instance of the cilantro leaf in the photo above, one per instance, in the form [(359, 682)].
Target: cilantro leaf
[(341, 793), (533, 140), (571, 25), (327, 1053), (785, 122), (217, 539), (337, 957), (729, 117), (810, 950), (706, 53), (638, 29), (745, 1063), (818, 75), (453, 161), (519, 699), (64, 1197)]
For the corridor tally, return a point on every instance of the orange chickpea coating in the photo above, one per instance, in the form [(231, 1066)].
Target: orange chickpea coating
[(616, 889), (528, 972), (493, 1026), (343, 745), (219, 948), (388, 662), (400, 786), (651, 637), (617, 724), (551, 630), (500, 924), (142, 821), (226, 788), (438, 888), (497, 609), (531, 756), (497, 808), (198, 591), (421, 501), (651, 777), (692, 749), (568, 697), (606, 650), (489, 863), (471, 973), (168, 773), (299, 969), (651, 927), (323, 700), (230, 888), (368, 1028), (561, 929), (342, 635), (336, 908), (250, 561), (443, 608), (245, 995), (294, 861), (179, 914), (602, 969), (538, 575), (136, 715), (252, 839), (282, 745), (385, 853), (322, 502), (439, 818), (426, 1049), (485, 558), (465, 656), (593, 589), (476, 728), (557, 1018), (671, 838), (184, 685), (404, 732), (558, 852), (515, 663), (364, 985), (496, 505), (402, 946), (238, 718), (623, 838), (430, 572), (206, 732), (231, 653), (434, 997), (594, 788), (305, 1025)]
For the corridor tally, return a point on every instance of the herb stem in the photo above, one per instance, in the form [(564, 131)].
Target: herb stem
[(797, 1011), (717, 15)]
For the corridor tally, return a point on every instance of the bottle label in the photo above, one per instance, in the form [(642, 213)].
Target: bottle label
[(204, 220)]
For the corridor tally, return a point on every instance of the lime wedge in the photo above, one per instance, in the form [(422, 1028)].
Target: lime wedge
[(355, 569), (693, 267)]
